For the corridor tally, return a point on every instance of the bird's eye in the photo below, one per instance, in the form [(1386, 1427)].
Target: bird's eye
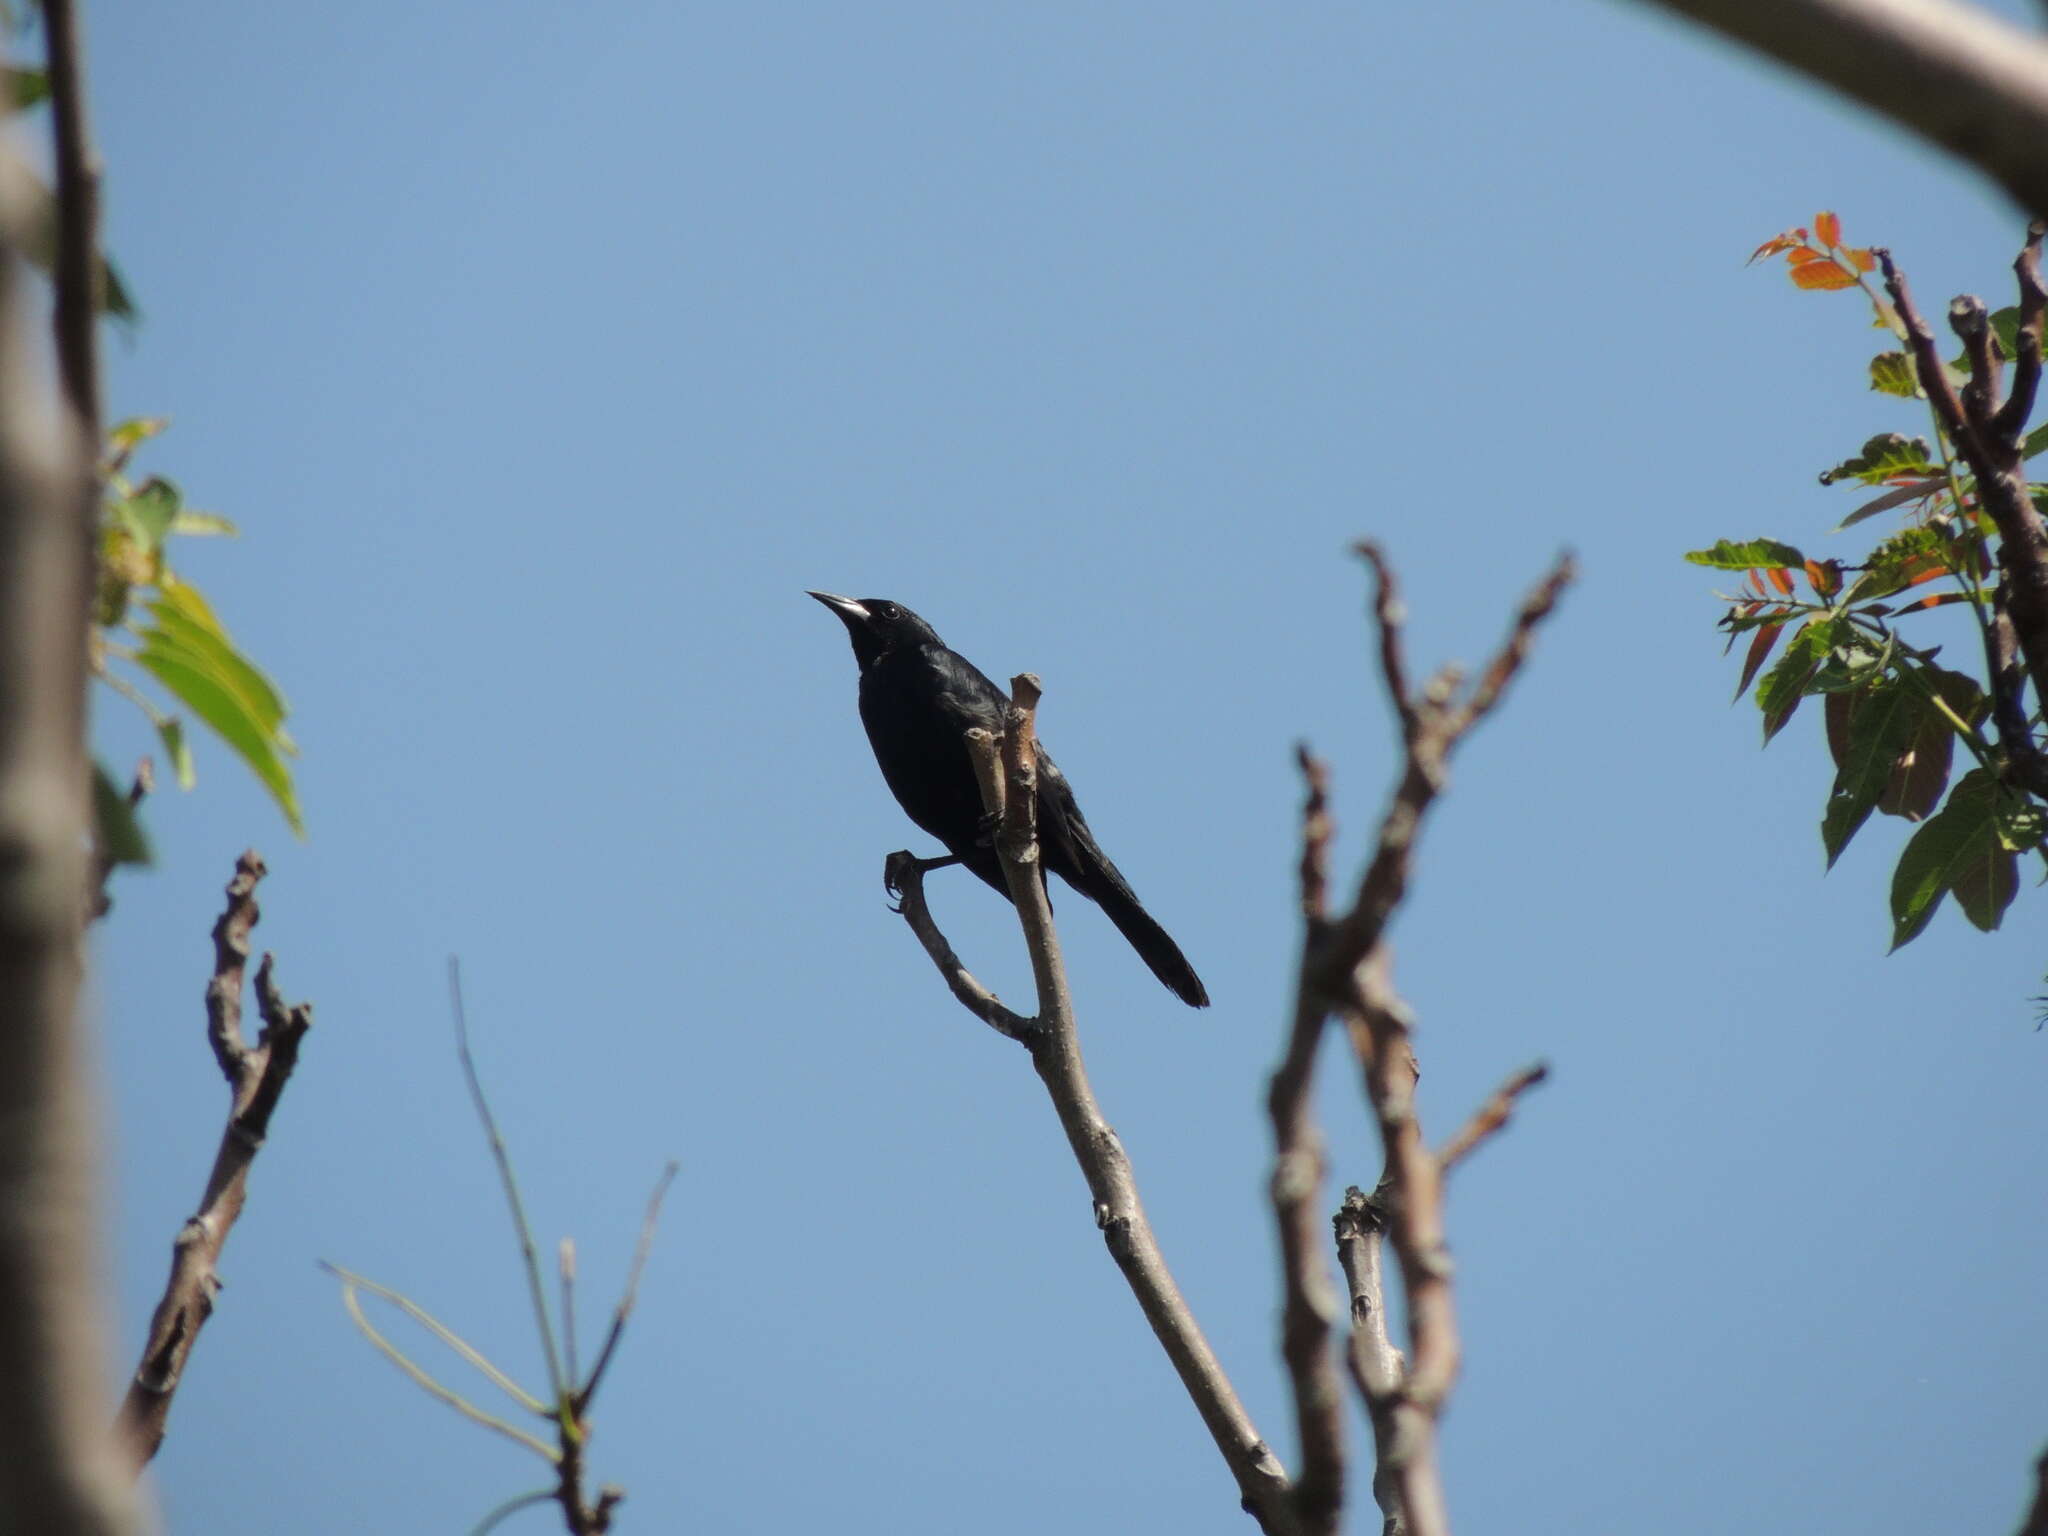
[(887, 610)]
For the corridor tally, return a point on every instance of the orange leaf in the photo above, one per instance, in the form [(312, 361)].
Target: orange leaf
[(1806, 256), (1826, 578), (1822, 275), (1775, 244), (1782, 580), (1937, 600), (1862, 257), (1828, 228)]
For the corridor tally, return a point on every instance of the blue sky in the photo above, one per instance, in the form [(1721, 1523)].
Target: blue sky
[(546, 355)]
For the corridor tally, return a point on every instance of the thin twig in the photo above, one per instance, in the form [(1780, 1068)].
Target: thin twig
[(1317, 831), (631, 1294), (427, 1383), (1490, 1117), (511, 1507), (565, 1275), (471, 1355), (536, 1287)]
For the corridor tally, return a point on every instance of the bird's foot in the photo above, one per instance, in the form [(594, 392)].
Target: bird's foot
[(903, 864)]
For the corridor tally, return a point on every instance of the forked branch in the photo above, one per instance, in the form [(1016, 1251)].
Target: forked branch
[(256, 1074), (1006, 769), (1346, 970)]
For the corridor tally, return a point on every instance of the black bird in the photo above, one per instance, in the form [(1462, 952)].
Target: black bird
[(918, 699)]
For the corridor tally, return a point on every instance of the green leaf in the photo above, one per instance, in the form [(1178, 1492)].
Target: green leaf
[(1881, 724), (182, 614), (1854, 662), (204, 525), (150, 511), (1894, 562), (1921, 775), (1884, 456), (1947, 849), (213, 700), (1891, 373), (127, 436), (1986, 888), (115, 825), (1748, 555), (2036, 441), (171, 731), (24, 88), (1790, 678)]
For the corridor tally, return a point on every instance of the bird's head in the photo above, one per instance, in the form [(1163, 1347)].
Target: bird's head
[(877, 626)]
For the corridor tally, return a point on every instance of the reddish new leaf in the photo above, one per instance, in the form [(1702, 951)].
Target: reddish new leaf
[(1935, 601), (1759, 651), (1826, 576), (1776, 244), (1827, 229), (1782, 580)]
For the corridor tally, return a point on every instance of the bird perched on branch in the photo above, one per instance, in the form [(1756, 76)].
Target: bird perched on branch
[(918, 700)]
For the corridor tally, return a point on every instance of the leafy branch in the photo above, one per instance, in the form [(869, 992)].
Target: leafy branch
[(1854, 631)]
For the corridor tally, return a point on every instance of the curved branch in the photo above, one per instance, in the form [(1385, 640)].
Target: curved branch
[(1968, 81)]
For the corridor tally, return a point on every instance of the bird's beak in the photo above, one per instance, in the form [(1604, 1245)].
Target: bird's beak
[(850, 611)]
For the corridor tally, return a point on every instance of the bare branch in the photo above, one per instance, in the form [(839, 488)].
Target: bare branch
[(1433, 729), (1514, 651), (1308, 1296), (230, 961), (1959, 76), (256, 1076), (1346, 966), (1377, 1369), (903, 874), (1007, 773), (1491, 1117)]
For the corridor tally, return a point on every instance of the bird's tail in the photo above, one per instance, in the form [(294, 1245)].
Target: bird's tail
[(1153, 943)]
